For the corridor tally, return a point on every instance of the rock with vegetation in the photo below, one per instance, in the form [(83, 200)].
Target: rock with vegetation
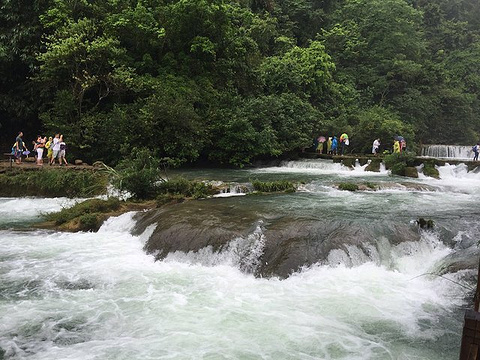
[(425, 224), (274, 186), (374, 165), (398, 163), (349, 162), (411, 171), (348, 186), (84, 216), (430, 170), (89, 215)]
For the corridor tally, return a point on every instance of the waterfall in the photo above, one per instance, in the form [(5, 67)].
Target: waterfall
[(448, 151)]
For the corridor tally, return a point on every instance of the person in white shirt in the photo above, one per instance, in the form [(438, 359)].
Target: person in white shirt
[(61, 154), (376, 146), (55, 148)]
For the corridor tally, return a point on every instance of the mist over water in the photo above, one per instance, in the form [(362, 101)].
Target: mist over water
[(99, 296)]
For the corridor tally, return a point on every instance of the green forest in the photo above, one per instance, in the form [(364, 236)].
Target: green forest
[(230, 82)]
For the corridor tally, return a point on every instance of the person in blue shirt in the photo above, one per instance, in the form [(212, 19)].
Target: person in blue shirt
[(334, 145)]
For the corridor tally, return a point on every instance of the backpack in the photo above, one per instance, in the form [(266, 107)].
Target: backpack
[(63, 147), (474, 148)]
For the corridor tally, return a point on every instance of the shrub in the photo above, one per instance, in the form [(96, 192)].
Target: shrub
[(138, 175), (398, 169), (398, 162)]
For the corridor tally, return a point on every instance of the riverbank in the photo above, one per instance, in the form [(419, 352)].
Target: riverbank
[(72, 181)]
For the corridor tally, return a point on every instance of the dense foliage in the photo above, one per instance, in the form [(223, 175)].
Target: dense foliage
[(233, 81)]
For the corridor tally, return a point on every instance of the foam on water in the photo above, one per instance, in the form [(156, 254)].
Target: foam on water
[(98, 296), (242, 252), (15, 210), (320, 166), (457, 178)]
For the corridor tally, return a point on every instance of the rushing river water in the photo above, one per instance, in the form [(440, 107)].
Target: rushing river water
[(100, 296)]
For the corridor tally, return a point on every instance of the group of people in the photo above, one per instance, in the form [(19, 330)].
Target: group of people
[(55, 148), (338, 146), (332, 145)]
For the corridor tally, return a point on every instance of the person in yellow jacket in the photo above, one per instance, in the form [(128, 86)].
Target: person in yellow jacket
[(396, 146), (48, 146), (329, 145), (344, 141)]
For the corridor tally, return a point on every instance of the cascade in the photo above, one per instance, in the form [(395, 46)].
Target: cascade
[(447, 151)]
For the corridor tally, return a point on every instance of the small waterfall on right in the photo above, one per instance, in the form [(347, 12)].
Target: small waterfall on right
[(448, 151)]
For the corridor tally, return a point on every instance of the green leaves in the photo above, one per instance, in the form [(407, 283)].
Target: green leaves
[(301, 70), (234, 81), (263, 126)]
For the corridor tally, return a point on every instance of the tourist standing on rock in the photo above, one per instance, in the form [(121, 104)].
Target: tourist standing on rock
[(476, 150), (40, 145), (19, 146), (61, 155), (320, 141), (48, 146), (375, 146), (55, 148), (329, 145), (396, 146), (344, 141), (334, 145)]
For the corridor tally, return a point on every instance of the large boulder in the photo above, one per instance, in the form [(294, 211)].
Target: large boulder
[(278, 244)]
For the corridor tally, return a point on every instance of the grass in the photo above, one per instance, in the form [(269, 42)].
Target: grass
[(274, 186), (186, 188), (53, 183), (85, 211)]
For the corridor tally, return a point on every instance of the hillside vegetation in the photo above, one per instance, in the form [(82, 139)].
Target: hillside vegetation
[(233, 81)]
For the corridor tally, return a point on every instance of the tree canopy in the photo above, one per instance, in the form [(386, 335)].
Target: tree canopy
[(233, 81)]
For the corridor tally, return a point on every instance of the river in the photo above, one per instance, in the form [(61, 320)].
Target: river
[(100, 296)]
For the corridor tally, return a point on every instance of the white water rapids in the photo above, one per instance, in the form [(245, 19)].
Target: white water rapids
[(99, 296)]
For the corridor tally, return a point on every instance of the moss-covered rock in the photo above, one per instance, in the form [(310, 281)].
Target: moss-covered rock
[(411, 171), (430, 170), (348, 186), (374, 165), (362, 161), (425, 224), (349, 162), (89, 215)]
